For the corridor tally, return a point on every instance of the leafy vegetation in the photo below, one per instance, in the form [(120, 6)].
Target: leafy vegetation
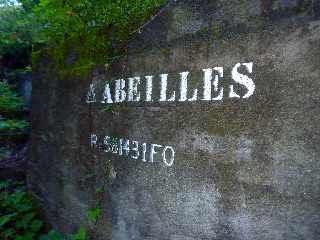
[(9, 101), (19, 217), (96, 31), (94, 213), (15, 35), (13, 125), (66, 19)]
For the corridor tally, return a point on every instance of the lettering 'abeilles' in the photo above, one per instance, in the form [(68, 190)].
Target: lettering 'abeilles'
[(212, 90)]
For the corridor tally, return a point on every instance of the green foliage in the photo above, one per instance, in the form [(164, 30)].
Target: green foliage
[(80, 235), (94, 213), (13, 125), (98, 31), (9, 101), (99, 190), (15, 31), (66, 19), (108, 108), (94, 31), (18, 218)]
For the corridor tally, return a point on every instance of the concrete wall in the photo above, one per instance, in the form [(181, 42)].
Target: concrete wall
[(244, 168)]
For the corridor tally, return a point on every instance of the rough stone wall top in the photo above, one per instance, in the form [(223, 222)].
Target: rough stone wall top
[(244, 168)]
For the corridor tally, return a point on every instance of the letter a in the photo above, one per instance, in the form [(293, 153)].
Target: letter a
[(106, 98), (91, 95)]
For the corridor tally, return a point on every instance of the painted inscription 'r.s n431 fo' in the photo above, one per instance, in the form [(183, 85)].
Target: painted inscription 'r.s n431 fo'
[(129, 90)]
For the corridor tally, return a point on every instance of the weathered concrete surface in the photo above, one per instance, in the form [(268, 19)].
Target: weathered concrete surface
[(244, 169)]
